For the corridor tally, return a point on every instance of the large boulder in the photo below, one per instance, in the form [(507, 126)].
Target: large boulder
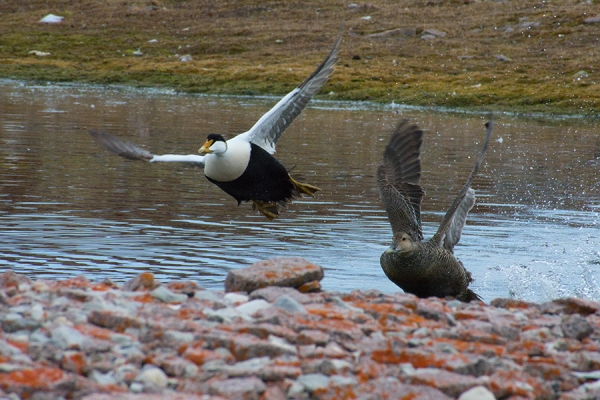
[(282, 271)]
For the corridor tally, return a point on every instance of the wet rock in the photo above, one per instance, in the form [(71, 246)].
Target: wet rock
[(291, 272)]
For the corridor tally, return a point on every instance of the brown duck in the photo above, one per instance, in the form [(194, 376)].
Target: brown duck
[(424, 268)]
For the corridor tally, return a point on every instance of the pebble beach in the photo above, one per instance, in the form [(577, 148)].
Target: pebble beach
[(273, 334)]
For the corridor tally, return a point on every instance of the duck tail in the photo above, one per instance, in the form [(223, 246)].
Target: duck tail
[(472, 296), (304, 188)]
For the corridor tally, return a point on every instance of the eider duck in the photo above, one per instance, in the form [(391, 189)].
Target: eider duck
[(244, 166), (423, 268)]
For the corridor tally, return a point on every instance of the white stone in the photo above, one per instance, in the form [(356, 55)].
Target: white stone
[(51, 19), (152, 376), (102, 379), (312, 382), (282, 344), (477, 393), (235, 299), (252, 307)]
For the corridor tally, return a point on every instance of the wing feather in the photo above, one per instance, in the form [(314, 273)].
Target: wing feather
[(458, 201), (399, 179), (270, 126), (132, 152)]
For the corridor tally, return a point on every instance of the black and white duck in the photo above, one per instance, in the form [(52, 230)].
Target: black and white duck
[(424, 268), (244, 166)]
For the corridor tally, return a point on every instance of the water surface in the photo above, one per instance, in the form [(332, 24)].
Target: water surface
[(68, 207)]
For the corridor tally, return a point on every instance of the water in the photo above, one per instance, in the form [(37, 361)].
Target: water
[(68, 207)]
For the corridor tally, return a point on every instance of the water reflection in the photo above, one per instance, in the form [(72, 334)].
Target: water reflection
[(67, 207)]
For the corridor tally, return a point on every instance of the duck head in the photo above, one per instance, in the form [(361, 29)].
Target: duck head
[(215, 144), (402, 243)]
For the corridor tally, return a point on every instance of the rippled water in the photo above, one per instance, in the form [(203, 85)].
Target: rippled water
[(68, 207)]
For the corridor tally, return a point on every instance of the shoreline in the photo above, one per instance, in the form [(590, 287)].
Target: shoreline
[(526, 57), (143, 339), (318, 102)]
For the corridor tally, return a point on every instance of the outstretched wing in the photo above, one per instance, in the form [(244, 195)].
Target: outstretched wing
[(458, 221), (270, 126), (132, 152), (399, 179), (460, 199)]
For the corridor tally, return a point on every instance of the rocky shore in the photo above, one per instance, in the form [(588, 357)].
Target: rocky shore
[(272, 334)]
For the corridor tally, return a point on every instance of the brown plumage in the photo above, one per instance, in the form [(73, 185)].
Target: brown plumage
[(424, 268)]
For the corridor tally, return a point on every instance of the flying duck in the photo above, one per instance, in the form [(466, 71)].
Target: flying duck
[(423, 268), (244, 166)]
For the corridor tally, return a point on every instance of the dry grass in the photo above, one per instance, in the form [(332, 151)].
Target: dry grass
[(529, 56)]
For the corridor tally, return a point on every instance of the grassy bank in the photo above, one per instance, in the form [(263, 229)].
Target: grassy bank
[(527, 56)]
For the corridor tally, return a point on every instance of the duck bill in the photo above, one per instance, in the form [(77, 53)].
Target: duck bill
[(205, 149), (391, 250)]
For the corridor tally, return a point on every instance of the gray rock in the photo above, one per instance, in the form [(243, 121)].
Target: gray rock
[(402, 32), (337, 300), (238, 388), (592, 20), (283, 345), (166, 296), (172, 336), (434, 32), (207, 295), (340, 380), (312, 382), (249, 367), (7, 349), (575, 326), (68, 338), (272, 293), (14, 322), (290, 305), (226, 315), (7, 367), (102, 379)]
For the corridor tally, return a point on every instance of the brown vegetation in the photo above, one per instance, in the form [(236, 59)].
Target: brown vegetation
[(519, 55)]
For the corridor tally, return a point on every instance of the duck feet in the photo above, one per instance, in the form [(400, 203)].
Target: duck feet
[(304, 188), (269, 210)]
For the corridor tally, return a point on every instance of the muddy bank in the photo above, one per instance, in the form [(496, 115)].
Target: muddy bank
[(527, 56), (98, 340)]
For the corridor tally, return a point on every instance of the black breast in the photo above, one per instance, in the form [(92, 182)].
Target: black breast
[(265, 179)]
